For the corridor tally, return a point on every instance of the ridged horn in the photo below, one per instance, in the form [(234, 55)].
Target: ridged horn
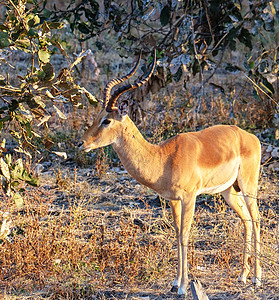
[(116, 81), (129, 87)]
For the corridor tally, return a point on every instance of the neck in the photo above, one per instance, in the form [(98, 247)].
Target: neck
[(136, 154)]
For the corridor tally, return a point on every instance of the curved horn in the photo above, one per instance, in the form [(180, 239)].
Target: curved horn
[(129, 87), (116, 81)]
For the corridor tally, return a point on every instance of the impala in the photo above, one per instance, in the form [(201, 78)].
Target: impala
[(221, 159)]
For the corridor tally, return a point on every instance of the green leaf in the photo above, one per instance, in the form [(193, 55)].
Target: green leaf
[(92, 100), (28, 129), (38, 99), (9, 159), (49, 72), (30, 101), (41, 75), (5, 119), (263, 66), (45, 28), (47, 13), (34, 20), (23, 43), (60, 114), (83, 28), (3, 27), (15, 35), (18, 200), (246, 38), (3, 143), (232, 68), (251, 64), (15, 183), (32, 33), (4, 39), (34, 181), (196, 67), (21, 119), (55, 25), (99, 45), (44, 56), (17, 170), (4, 169), (165, 15)]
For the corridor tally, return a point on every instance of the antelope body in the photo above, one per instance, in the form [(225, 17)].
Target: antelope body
[(220, 159)]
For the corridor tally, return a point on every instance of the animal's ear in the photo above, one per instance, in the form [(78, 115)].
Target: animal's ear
[(123, 108)]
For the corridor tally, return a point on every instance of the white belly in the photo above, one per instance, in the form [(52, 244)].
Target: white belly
[(218, 188), (227, 175)]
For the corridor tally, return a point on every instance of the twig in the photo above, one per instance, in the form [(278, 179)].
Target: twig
[(256, 85)]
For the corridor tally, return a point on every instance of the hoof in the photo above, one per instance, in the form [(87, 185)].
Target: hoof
[(256, 281), (241, 280), (174, 289), (181, 292)]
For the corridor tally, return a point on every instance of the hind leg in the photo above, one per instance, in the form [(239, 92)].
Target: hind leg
[(236, 201), (248, 182), (251, 202)]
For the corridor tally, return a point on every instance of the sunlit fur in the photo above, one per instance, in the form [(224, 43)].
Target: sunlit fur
[(221, 158)]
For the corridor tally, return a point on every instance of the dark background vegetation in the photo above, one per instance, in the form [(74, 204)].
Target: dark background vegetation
[(76, 225)]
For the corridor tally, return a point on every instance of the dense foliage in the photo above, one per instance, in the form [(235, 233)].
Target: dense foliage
[(190, 35), (32, 102)]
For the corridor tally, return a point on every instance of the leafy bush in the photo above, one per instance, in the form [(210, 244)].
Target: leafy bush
[(190, 35), (31, 101)]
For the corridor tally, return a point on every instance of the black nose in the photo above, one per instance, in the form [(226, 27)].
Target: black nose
[(80, 144)]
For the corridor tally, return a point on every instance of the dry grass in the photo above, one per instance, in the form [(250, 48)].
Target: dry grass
[(117, 249), (71, 253)]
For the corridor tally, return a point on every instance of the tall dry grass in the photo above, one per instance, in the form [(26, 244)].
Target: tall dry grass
[(76, 251)]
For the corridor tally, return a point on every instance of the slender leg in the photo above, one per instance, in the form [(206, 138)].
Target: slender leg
[(248, 182), (237, 203), (176, 212), (187, 213), (251, 202)]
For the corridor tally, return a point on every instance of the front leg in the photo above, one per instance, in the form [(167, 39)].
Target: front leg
[(176, 213), (187, 213)]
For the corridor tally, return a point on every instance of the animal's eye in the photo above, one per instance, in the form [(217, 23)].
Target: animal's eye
[(106, 122)]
